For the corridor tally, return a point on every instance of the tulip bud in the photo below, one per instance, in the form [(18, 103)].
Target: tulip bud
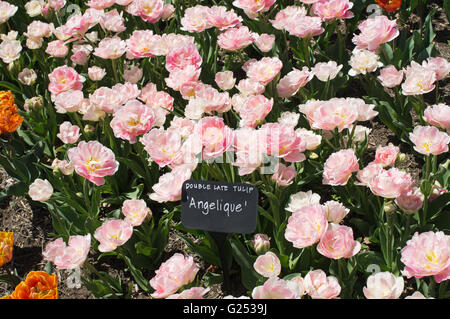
[(34, 103), (88, 128), (389, 207), (400, 158), (261, 243), (313, 155)]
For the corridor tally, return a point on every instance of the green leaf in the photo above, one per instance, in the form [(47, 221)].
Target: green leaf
[(249, 276), (211, 278)]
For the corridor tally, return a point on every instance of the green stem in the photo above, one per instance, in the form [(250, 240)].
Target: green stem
[(427, 191), (407, 228), (86, 195), (78, 121), (114, 67)]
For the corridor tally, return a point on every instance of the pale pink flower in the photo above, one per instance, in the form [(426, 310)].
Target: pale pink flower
[(374, 32), (253, 7), (319, 286), (298, 280), (93, 161), (325, 71), (178, 77), (383, 285), (159, 101), (64, 78), (366, 112), (68, 133), (360, 133), (286, 15), (142, 43), (436, 191), (440, 65), (427, 254), (133, 75), (250, 87), (438, 115), (261, 243), (182, 56), (411, 201), (339, 167), (289, 118), (417, 295), (213, 100), (96, 73), (429, 140), (268, 265), (363, 61), (264, 70), (56, 4), (338, 242), (68, 101), (69, 256), (111, 48), (27, 76), (284, 175), (276, 288), (418, 80), (126, 91), (106, 99), (265, 42), (235, 39), (216, 137), (195, 19), (254, 110), (327, 115), (366, 174), (170, 41), (168, 12), (113, 233), (306, 226), (390, 77), (168, 188), (333, 9), (76, 26), (225, 80), (57, 49), (290, 84), (335, 211), (113, 21), (81, 53), (191, 293), (182, 126), (7, 10), (305, 26), (10, 51), (40, 190), (150, 10), (221, 18), (173, 274), (38, 29), (65, 167), (311, 139), (249, 150), (391, 183), (163, 146), (386, 155), (300, 199), (135, 211), (131, 120), (100, 4), (94, 16), (281, 141)]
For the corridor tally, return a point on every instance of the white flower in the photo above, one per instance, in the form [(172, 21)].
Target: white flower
[(40, 190), (300, 199), (383, 285), (10, 51), (363, 61), (34, 7)]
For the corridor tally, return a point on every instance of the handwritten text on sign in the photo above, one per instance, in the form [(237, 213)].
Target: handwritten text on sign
[(219, 206)]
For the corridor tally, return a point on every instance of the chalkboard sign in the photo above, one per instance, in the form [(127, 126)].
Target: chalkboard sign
[(219, 206)]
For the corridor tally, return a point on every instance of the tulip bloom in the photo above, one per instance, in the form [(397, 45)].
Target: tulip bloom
[(276, 288), (319, 286), (338, 242), (69, 256), (6, 247), (429, 140), (383, 285), (268, 265), (40, 190), (113, 233), (389, 5), (391, 183), (339, 167), (374, 32), (37, 285), (438, 115), (10, 120), (135, 211)]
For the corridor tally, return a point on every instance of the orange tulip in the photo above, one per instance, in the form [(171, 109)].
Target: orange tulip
[(10, 119), (390, 5), (37, 285), (6, 247)]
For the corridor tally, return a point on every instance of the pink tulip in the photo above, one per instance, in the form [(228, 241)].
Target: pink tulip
[(333, 9), (268, 265), (216, 137), (335, 113), (325, 71), (386, 155), (178, 77), (284, 17), (93, 161), (135, 211), (440, 65), (284, 175), (261, 244), (264, 70), (219, 17), (113, 233), (96, 73), (133, 74), (339, 167), (265, 42), (418, 80), (366, 174), (319, 286), (182, 56), (65, 167), (335, 211), (250, 87), (150, 10), (249, 150), (411, 201), (81, 54), (191, 293), (281, 141), (374, 32), (69, 256), (142, 43), (252, 7), (64, 78), (106, 99), (390, 77), (168, 188), (235, 39), (304, 26), (225, 80), (300, 199), (254, 110), (173, 274), (195, 19), (69, 101), (338, 242), (383, 285), (429, 140), (57, 49), (111, 48), (40, 190), (276, 288), (391, 183), (293, 81), (311, 139), (427, 254), (306, 226), (366, 112), (68, 133), (363, 62), (163, 146), (100, 4), (289, 118), (438, 115)]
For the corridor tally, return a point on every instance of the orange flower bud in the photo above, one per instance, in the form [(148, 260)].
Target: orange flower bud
[(37, 285), (10, 119), (6, 247)]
